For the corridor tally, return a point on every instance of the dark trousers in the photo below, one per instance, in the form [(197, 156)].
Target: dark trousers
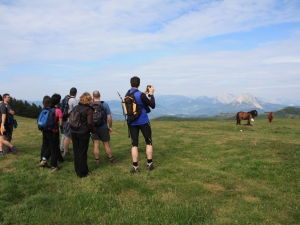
[(50, 147), (146, 131), (8, 137), (46, 152), (80, 148)]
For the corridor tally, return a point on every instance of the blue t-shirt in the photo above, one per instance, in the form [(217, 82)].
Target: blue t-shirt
[(106, 111), (143, 118)]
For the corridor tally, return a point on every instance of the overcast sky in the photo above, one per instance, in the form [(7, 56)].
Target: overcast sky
[(186, 47)]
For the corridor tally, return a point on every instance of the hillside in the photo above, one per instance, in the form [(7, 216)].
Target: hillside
[(206, 172), (287, 112)]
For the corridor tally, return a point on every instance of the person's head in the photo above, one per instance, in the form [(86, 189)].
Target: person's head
[(47, 101), (55, 99), (6, 97), (73, 91), (135, 81), (85, 98), (96, 95)]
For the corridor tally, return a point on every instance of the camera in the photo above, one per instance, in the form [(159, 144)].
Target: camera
[(148, 86)]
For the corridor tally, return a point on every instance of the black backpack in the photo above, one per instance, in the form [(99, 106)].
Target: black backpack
[(98, 115), (64, 107), (75, 119), (131, 108)]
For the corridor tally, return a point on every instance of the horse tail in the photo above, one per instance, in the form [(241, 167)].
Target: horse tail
[(238, 119)]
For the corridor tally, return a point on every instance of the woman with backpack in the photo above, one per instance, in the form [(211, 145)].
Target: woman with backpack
[(50, 146), (81, 124)]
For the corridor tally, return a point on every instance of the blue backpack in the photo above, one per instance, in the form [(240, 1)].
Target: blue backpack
[(46, 121)]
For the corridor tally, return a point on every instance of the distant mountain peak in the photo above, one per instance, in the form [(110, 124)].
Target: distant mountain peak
[(226, 98), (248, 99)]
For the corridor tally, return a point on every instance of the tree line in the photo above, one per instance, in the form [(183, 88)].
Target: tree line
[(24, 109)]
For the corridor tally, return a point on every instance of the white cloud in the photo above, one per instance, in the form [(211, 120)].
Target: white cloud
[(75, 43)]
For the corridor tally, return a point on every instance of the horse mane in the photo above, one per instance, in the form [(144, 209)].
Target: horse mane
[(253, 113)]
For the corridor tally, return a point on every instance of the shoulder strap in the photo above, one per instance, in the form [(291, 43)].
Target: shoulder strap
[(128, 92)]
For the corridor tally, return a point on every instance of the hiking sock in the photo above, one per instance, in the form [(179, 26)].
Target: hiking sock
[(135, 164), (44, 159), (149, 161)]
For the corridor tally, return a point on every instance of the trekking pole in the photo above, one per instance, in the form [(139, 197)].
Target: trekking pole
[(122, 105)]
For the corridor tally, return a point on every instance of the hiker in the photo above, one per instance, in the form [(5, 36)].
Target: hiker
[(141, 123), (66, 128), (81, 136), (50, 144), (101, 129), (4, 127), (10, 123)]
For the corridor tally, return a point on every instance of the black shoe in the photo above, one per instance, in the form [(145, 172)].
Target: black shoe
[(14, 149), (134, 170), (150, 166), (112, 160)]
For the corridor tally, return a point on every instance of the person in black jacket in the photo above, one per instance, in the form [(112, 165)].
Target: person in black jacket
[(81, 137)]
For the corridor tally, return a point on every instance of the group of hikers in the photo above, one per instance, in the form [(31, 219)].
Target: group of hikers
[(91, 118)]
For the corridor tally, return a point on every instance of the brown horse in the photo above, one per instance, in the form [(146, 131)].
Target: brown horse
[(270, 117), (245, 116)]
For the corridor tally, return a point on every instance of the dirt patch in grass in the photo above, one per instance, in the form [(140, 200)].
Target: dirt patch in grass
[(168, 196), (6, 162), (214, 188), (126, 194), (251, 199), (9, 169)]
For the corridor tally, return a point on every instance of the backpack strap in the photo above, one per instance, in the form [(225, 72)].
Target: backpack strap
[(128, 92), (132, 93)]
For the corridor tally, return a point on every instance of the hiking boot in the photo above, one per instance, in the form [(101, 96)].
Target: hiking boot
[(112, 160), (97, 161), (1, 153), (43, 163), (67, 154), (14, 149), (134, 170), (150, 166), (54, 169)]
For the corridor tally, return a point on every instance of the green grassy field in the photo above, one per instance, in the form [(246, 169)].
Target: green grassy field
[(206, 172)]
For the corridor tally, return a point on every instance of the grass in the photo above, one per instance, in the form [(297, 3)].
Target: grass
[(206, 172)]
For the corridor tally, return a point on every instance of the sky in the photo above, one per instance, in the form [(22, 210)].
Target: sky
[(182, 47)]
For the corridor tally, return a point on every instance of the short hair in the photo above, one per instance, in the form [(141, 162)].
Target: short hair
[(55, 99), (135, 81), (73, 91), (4, 96), (85, 98), (1, 99), (96, 94), (47, 101)]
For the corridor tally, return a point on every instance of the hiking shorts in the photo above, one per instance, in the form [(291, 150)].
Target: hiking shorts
[(146, 131), (67, 129), (101, 134)]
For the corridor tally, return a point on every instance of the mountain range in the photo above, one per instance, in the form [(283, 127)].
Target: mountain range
[(182, 106)]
